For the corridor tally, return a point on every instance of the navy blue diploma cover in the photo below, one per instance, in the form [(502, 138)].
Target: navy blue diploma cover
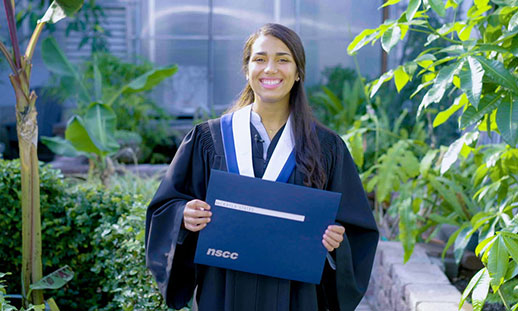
[(265, 227)]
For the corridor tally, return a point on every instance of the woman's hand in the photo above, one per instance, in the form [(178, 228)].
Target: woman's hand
[(333, 236), (196, 215)]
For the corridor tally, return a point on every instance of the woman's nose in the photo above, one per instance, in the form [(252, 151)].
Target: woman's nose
[(271, 67)]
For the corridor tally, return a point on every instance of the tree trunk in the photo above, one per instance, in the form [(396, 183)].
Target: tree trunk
[(27, 129)]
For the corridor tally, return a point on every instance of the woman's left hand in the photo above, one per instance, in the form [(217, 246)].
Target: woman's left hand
[(333, 236)]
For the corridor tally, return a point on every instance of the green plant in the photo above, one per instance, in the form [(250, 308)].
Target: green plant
[(73, 214), (122, 87), (339, 113), (93, 136), (27, 129), (477, 71), (122, 260)]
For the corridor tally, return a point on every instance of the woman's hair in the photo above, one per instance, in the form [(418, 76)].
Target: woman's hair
[(307, 149)]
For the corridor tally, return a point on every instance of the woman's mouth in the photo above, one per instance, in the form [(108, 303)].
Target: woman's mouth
[(270, 83)]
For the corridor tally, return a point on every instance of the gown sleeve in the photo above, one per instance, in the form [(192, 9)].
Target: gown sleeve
[(170, 247), (355, 256)]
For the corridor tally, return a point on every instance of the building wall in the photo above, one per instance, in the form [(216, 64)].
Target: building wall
[(205, 39)]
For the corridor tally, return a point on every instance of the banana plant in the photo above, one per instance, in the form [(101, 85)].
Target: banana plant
[(27, 129), (92, 134)]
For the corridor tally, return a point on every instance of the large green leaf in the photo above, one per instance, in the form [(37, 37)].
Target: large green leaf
[(377, 84), (145, 82), (389, 2), (441, 83), (506, 2), (61, 146), (498, 261), (461, 242), (79, 137), (438, 7), (361, 40), (443, 116), (487, 104), (480, 291), (413, 6), (471, 80), (101, 122), (54, 280), (70, 6), (511, 244), (496, 71), (507, 119), (452, 154), (480, 281), (390, 38), (513, 22), (60, 9), (150, 79), (56, 61), (401, 78)]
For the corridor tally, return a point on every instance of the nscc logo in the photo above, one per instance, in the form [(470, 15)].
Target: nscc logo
[(221, 253)]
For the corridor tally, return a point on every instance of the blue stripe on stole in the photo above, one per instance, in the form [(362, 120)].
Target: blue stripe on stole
[(228, 143), (230, 151), (289, 166)]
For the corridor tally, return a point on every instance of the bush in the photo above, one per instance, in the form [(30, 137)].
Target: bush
[(98, 232)]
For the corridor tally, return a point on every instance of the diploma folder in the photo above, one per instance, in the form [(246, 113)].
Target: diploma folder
[(265, 227)]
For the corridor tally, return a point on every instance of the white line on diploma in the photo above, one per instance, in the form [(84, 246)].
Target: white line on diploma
[(258, 210)]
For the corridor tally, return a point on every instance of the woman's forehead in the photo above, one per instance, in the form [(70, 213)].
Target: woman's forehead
[(266, 44)]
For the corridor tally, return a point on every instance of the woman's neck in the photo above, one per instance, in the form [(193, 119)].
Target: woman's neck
[(273, 116)]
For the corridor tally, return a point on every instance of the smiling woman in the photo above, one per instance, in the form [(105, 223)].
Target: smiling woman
[(274, 136)]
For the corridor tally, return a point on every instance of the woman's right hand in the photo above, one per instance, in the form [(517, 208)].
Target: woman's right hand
[(196, 215)]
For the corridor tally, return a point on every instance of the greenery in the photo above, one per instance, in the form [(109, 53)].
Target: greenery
[(124, 88), (473, 186), (87, 23), (97, 231)]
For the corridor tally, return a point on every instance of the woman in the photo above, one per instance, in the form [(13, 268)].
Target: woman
[(275, 101)]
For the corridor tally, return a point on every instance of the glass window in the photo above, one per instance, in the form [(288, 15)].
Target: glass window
[(232, 19), (174, 18), (186, 91), (228, 77)]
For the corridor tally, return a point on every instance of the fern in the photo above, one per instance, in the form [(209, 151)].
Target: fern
[(392, 169)]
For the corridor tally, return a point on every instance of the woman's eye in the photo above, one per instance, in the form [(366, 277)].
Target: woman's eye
[(260, 60), (284, 60)]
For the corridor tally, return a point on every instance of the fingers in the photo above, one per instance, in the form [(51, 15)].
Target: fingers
[(196, 215), (198, 204), (327, 246), (333, 236)]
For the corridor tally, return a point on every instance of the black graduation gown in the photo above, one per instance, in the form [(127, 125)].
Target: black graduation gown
[(170, 248)]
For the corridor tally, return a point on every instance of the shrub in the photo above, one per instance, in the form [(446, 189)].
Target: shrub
[(97, 231)]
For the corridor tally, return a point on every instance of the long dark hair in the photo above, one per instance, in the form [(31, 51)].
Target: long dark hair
[(307, 149)]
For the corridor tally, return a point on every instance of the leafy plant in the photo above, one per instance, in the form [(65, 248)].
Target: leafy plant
[(27, 129), (122, 87), (74, 214), (477, 71)]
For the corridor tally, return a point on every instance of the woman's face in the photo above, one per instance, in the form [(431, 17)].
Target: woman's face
[(271, 70)]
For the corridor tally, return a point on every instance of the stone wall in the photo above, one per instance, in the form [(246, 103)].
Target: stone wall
[(418, 285)]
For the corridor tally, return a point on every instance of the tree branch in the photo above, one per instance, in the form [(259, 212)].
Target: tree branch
[(11, 23), (8, 56)]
